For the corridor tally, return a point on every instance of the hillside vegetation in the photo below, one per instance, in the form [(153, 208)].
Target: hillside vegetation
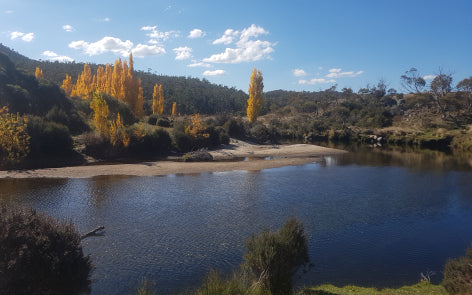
[(107, 122)]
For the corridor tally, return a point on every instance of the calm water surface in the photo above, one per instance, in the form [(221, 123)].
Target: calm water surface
[(373, 219)]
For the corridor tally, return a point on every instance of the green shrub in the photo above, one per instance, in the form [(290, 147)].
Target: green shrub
[(39, 255), (152, 119), (48, 138), (458, 274), (163, 122), (183, 142), (235, 128), (157, 142), (274, 257)]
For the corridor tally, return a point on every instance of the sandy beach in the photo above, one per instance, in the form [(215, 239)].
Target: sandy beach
[(238, 155)]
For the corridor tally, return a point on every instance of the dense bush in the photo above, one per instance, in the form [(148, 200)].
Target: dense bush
[(458, 274), (274, 257), (39, 255), (235, 128), (157, 142), (48, 138)]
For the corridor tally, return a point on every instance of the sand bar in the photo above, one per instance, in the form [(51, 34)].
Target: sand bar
[(227, 158)]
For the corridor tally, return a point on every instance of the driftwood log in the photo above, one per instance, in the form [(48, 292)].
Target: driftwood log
[(92, 233)]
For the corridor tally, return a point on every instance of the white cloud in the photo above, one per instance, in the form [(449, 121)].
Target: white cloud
[(246, 50), (337, 73), (68, 28), (182, 53), (106, 19), (316, 81), (27, 37), (429, 77), (51, 55), (196, 33), (8, 11), (299, 72), (156, 36), (195, 64), (227, 38), (214, 73), (148, 28), (106, 44), (142, 50)]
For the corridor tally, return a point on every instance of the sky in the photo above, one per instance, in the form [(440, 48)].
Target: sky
[(298, 45)]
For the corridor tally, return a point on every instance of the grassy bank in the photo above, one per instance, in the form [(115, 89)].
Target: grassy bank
[(422, 288)]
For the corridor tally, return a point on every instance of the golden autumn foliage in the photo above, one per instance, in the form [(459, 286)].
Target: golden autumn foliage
[(14, 141), (254, 103), (38, 73), (84, 86), (117, 81), (117, 133), (155, 99), (196, 128), (67, 85), (174, 109), (158, 100), (100, 113)]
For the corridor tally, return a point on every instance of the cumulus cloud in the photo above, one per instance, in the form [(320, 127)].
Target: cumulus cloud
[(196, 33), (299, 72), (316, 81), (106, 44), (68, 28), (246, 50), (227, 38), (142, 50), (27, 37), (214, 73), (338, 73), (51, 55), (156, 36), (195, 64), (429, 77), (182, 53)]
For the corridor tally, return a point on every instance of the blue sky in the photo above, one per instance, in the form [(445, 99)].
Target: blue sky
[(298, 45)]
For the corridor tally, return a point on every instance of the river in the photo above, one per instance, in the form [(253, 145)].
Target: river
[(373, 219)]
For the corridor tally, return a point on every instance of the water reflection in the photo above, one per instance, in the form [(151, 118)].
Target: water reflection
[(375, 220)]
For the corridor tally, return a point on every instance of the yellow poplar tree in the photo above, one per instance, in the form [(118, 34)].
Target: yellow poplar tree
[(108, 75), (138, 107), (100, 113), (116, 80), (116, 131), (160, 102), (67, 85), (155, 96), (174, 109), (84, 85), (38, 73), (14, 140), (254, 103)]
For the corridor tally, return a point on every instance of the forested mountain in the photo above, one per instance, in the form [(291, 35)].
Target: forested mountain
[(192, 95)]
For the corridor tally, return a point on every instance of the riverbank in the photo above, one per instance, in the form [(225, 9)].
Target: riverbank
[(238, 155)]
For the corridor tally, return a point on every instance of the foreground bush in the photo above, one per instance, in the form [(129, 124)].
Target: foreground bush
[(39, 255), (458, 274), (274, 257)]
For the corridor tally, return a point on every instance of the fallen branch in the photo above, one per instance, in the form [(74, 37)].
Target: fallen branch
[(92, 233)]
